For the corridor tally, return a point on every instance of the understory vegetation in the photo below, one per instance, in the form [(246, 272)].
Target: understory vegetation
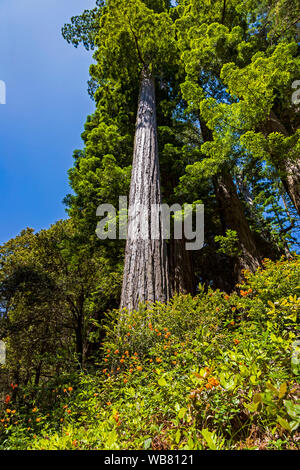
[(214, 371)]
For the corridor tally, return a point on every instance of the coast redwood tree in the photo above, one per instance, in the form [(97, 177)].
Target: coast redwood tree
[(145, 271), (135, 43)]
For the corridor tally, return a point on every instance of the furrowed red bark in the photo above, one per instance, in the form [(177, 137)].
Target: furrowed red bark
[(233, 216), (288, 168), (181, 270), (234, 219), (146, 269)]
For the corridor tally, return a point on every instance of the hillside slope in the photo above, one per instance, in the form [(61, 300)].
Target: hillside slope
[(215, 371)]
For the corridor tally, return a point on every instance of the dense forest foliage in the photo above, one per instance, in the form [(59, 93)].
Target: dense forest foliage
[(118, 344)]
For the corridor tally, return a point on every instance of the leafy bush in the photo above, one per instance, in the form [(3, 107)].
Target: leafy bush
[(213, 371)]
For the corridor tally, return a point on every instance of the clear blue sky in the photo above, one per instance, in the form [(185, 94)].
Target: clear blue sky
[(47, 105)]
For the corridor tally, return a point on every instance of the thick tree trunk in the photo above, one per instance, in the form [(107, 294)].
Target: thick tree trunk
[(291, 181), (146, 268), (263, 239), (181, 271), (233, 218), (288, 168)]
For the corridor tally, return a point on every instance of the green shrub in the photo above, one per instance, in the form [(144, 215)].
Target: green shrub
[(213, 371)]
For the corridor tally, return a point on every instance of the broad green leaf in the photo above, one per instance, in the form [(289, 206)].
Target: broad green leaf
[(209, 438), (284, 423), (282, 390), (181, 413), (162, 382)]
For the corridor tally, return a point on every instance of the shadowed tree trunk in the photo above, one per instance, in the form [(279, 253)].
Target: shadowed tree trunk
[(146, 268), (181, 270), (289, 168), (233, 218)]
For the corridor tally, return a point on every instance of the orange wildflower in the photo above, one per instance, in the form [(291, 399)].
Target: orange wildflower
[(7, 399), (213, 382)]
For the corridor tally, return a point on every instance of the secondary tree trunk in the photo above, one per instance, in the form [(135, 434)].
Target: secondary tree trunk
[(288, 168), (233, 218), (181, 270), (146, 268)]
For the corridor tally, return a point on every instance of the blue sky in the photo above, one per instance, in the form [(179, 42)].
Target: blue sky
[(46, 107)]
